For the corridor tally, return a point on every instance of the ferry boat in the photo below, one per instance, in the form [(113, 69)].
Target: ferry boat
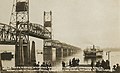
[(93, 52)]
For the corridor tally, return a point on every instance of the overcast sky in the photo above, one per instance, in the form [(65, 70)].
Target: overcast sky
[(77, 22)]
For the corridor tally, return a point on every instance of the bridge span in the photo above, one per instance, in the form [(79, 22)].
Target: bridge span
[(19, 29)]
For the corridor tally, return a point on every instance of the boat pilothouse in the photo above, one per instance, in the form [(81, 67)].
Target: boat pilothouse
[(93, 51)]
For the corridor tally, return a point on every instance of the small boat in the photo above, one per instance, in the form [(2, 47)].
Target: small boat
[(6, 55), (93, 52)]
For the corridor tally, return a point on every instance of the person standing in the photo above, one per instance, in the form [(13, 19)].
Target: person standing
[(92, 64), (70, 63), (63, 65)]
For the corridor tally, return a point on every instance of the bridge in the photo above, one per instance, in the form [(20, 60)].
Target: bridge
[(8, 33), (19, 29)]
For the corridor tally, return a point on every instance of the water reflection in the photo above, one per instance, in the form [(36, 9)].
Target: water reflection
[(57, 58), (52, 59)]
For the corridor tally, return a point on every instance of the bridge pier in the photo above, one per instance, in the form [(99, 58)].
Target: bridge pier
[(59, 53), (72, 51), (26, 48), (33, 57), (47, 53), (0, 63), (19, 54), (65, 52), (69, 52), (22, 53), (20, 19)]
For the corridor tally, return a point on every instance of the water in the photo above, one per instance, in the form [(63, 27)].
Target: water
[(114, 59)]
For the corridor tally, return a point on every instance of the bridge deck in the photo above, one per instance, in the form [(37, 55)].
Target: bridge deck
[(8, 35)]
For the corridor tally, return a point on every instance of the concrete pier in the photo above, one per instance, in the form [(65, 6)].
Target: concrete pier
[(0, 63), (59, 53), (33, 56), (47, 53), (19, 60), (26, 49), (65, 52), (22, 53), (69, 52)]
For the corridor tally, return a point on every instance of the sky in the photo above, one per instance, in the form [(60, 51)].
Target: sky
[(77, 22)]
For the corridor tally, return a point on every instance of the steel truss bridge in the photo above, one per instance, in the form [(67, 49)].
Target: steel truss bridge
[(8, 35), (19, 29)]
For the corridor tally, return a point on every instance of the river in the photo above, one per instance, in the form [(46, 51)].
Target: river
[(114, 59)]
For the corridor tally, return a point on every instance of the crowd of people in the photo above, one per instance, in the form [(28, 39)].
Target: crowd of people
[(104, 64), (44, 65), (116, 67), (72, 63), (100, 64)]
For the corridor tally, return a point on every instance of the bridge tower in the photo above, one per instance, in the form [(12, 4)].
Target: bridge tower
[(47, 45), (20, 20)]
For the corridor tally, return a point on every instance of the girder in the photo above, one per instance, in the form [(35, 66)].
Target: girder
[(38, 31), (8, 33), (58, 44)]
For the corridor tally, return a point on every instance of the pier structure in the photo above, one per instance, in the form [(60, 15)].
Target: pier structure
[(61, 49), (20, 20), (33, 56), (0, 63), (20, 29)]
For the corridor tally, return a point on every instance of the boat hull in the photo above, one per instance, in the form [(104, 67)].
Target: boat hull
[(93, 54)]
